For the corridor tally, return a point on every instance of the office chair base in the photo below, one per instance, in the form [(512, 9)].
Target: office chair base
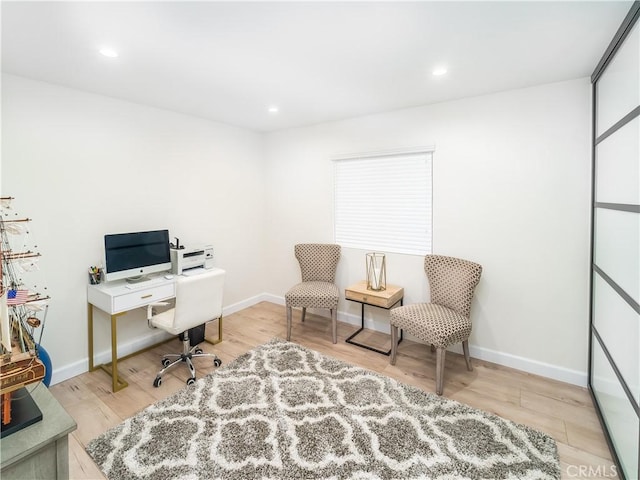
[(186, 357)]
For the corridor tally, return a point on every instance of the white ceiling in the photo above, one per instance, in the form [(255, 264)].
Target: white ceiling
[(317, 61)]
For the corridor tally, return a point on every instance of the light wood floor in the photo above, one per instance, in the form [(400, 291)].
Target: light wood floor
[(563, 411)]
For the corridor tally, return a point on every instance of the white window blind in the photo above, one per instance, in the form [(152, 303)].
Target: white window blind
[(384, 202)]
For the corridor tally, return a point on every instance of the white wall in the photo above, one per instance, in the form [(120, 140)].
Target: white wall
[(511, 191), (82, 165)]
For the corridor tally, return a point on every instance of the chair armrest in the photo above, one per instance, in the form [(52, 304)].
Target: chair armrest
[(150, 311)]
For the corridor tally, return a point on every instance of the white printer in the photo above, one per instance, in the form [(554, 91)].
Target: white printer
[(187, 258)]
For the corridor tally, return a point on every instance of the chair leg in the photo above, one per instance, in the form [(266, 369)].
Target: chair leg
[(440, 357), (467, 358), (172, 356), (289, 313), (394, 345), (192, 369), (304, 312), (177, 361), (334, 324), (204, 354)]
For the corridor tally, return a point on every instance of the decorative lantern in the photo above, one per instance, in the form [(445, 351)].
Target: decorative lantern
[(376, 272)]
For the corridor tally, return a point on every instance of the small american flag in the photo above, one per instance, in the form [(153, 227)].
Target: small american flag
[(17, 297)]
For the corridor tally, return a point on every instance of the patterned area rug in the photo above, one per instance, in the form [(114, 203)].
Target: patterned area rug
[(282, 411)]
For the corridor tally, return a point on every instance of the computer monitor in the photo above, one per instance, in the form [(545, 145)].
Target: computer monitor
[(135, 255)]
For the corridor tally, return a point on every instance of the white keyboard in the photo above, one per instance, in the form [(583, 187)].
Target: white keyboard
[(144, 284)]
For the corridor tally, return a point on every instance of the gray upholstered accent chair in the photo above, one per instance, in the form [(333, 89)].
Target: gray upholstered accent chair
[(446, 319), (318, 263)]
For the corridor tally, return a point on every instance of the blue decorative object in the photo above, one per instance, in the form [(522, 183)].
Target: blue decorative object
[(46, 360)]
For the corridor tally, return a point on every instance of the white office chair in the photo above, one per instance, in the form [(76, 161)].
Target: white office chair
[(198, 300)]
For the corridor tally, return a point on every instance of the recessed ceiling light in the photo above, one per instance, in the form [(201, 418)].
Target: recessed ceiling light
[(109, 52), (439, 71), (273, 109)]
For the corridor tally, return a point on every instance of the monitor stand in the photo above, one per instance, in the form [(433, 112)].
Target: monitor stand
[(138, 279)]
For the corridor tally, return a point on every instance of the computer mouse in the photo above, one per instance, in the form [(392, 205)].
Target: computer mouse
[(168, 276)]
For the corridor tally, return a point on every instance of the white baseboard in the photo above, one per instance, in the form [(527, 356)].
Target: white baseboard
[(249, 302), (536, 367), (68, 371), (528, 365)]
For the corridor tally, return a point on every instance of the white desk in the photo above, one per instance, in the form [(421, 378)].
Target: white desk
[(115, 299)]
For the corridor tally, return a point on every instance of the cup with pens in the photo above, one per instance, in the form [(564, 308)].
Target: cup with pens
[(95, 275)]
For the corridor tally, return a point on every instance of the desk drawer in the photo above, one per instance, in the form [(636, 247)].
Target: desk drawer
[(141, 298), (383, 298), (366, 298)]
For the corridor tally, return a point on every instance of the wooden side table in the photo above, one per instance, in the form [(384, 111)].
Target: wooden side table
[(386, 299), (40, 450)]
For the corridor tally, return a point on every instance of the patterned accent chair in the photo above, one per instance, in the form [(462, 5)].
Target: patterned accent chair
[(318, 263), (446, 319)]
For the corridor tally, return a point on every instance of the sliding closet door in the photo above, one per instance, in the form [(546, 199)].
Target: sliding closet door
[(614, 367)]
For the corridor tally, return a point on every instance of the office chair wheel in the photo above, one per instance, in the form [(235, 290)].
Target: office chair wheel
[(165, 362), (217, 362), (198, 351), (191, 381), (157, 382)]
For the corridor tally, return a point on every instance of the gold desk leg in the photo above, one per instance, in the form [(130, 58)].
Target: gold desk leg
[(90, 328), (116, 383), (112, 368), (219, 339)]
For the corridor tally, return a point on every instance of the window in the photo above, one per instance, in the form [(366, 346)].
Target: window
[(383, 201)]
